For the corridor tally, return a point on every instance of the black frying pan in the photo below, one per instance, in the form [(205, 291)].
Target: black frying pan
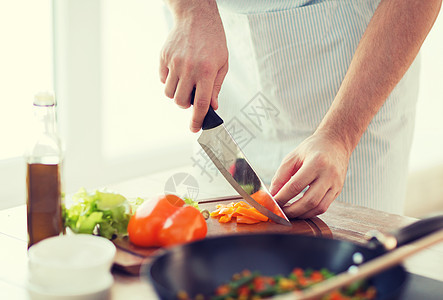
[(199, 267)]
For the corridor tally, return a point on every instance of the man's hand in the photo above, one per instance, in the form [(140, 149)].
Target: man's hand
[(320, 163), (195, 55)]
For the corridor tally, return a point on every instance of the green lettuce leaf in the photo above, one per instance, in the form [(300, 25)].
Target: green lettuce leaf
[(106, 213)]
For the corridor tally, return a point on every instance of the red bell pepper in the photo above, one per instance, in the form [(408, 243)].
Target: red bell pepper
[(165, 221)]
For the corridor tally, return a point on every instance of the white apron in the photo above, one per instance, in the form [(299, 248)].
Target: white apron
[(287, 61)]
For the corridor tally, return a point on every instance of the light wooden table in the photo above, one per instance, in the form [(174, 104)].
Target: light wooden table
[(346, 222)]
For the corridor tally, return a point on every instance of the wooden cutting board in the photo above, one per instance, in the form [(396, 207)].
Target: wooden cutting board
[(130, 258)]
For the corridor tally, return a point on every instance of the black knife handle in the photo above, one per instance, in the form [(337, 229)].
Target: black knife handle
[(212, 119)]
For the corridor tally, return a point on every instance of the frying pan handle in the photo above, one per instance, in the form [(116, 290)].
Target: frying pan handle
[(212, 119), (418, 230), (406, 235)]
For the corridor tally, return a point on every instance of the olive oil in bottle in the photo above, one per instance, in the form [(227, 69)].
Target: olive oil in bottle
[(43, 159)]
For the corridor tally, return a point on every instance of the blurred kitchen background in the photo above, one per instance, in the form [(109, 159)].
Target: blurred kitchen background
[(101, 59)]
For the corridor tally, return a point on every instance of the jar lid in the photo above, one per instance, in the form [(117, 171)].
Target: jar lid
[(44, 99)]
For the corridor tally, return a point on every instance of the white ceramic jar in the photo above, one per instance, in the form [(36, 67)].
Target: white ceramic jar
[(71, 267)]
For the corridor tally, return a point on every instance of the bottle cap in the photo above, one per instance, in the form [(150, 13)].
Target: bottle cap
[(44, 99)]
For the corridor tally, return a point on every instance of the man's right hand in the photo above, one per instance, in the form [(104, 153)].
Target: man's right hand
[(195, 54)]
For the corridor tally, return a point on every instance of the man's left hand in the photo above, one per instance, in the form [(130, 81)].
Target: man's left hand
[(320, 164)]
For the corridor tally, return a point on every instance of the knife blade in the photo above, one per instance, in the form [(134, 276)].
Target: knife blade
[(230, 160)]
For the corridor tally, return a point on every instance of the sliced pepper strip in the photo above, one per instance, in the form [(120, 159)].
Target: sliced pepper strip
[(241, 204), (246, 220), (227, 211), (225, 218), (252, 213), (215, 213)]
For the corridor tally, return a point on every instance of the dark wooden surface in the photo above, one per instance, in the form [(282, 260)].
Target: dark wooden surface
[(351, 223)]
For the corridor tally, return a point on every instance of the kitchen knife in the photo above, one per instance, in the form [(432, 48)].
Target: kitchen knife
[(227, 156)]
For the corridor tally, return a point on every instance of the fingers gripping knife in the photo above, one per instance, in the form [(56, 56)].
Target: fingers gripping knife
[(231, 162)]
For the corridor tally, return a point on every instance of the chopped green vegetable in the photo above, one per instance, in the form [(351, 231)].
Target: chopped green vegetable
[(326, 273), (135, 203), (191, 202), (106, 212), (248, 188), (354, 287), (235, 284), (107, 201)]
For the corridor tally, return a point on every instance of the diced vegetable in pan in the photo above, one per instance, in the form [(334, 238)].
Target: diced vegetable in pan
[(249, 285)]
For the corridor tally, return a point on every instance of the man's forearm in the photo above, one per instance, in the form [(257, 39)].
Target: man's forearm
[(387, 49)]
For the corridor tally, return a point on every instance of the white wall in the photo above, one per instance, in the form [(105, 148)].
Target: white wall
[(425, 186), (427, 148)]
